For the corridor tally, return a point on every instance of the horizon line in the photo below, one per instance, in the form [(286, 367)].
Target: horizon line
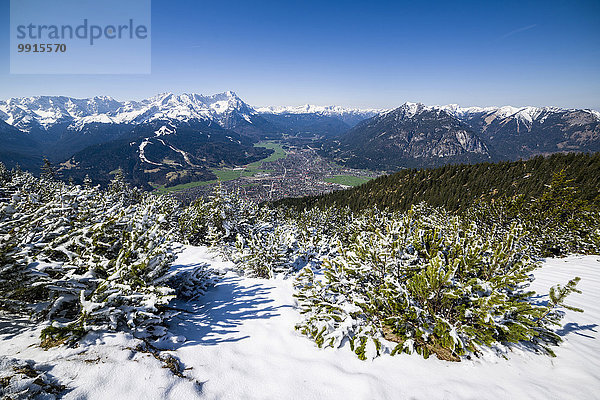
[(254, 106)]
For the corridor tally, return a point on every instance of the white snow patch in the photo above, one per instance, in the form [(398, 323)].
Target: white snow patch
[(183, 154), (164, 130), (241, 344), (142, 155)]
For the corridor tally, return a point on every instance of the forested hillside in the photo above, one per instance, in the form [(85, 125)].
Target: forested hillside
[(457, 187)]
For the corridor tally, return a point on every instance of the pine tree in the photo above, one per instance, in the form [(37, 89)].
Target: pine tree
[(85, 258), (48, 171), (558, 294), (87, 181)]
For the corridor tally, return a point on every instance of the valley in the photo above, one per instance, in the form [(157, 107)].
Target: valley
[(186, 144), (290, 171)]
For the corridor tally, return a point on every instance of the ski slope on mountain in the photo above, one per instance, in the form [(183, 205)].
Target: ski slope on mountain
[(238, 342)]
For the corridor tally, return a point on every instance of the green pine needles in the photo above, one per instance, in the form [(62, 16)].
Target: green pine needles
[(432, 284), (559, 293), (423, 281), (85, 258)]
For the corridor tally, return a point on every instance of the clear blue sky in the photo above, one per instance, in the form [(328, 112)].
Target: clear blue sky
[(352, 53)]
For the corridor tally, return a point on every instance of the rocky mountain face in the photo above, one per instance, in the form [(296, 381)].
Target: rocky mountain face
[(525, 132), (41, 113), (419, 135), (411, 135), (45, 112)]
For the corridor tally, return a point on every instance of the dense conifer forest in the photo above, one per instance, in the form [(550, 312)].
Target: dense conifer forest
[(457, 187)]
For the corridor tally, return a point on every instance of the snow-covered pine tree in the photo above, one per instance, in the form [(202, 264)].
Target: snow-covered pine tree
[(264, 252), (556, 224), (87, 181), (48, 171), (87, 258), (218, 220), (429, 282)]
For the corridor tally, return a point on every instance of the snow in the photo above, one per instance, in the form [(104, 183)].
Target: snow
[(409, 109), (525, 115), (238, 341), (595, 113), (46, 111), (183, 154), (164, 130), (96, 118), (143, 158), (320, 110), (462, 112)]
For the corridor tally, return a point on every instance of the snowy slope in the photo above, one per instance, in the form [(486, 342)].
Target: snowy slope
[(331, 111), (45, 112), (253, 353), (240, 344)]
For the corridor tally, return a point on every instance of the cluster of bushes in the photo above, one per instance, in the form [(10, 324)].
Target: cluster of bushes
[(431, 281), (425, 280), (83, 257), (260, 241), (559, 221)]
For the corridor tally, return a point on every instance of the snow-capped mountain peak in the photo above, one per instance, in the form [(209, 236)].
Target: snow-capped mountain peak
[(43, 112), (409, 110), (350, 116), (314, 109)]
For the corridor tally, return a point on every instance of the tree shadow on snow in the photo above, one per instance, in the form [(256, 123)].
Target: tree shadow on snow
[(215, 317), (13, 325), (573, 327), (540, 299)]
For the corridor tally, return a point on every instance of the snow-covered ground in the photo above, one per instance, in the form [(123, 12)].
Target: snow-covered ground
[(240, 344)]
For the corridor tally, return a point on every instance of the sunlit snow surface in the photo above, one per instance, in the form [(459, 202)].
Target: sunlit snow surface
[(240, 344)]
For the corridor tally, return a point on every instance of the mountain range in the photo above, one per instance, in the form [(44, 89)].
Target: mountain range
[(166, 139), (416, 135), (170, 139)]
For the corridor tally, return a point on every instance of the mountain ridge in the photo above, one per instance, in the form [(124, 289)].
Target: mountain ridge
[(412, 135), (45, 111), (417, 135)]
